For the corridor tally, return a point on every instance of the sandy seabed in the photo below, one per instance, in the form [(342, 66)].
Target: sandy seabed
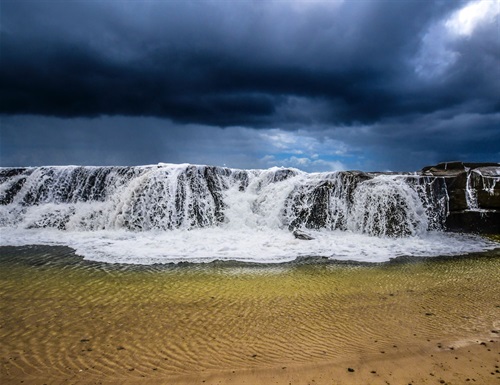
[(420, 321)]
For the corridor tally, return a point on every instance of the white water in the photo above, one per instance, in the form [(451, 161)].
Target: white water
[(174, 213), (386, 204), (489, 177), (248, 245), (470, 193)]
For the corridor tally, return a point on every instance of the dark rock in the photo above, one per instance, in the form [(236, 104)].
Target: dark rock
[(444, 169), (8, 195), (482, 222), (454, 168), (351, 370), (473, 195), (301, 235), (457, 192), (283, 174)]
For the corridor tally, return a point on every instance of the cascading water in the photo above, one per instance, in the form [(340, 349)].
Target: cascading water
[(387, 206), (185, 197), (477, 180), (470, 193), (210, 212)]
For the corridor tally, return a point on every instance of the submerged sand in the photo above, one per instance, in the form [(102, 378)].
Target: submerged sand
[(425, 321)]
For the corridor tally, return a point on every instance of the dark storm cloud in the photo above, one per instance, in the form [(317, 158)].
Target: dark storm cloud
[(328, 84), (217, 62)]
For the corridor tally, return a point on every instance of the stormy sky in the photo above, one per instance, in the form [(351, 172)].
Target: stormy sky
[(317, 85)]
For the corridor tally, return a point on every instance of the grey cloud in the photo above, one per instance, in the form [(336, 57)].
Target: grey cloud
[(370, 74), (208, 62)]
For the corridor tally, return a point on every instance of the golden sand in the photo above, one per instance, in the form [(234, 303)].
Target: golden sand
[(428, 322)]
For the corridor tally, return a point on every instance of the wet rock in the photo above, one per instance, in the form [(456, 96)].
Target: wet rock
[(454, 168), (198, 199), (301, 235), (315, 205), (483, 222), (473, 195)]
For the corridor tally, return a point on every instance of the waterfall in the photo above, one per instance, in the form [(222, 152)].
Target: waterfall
[(175, 213), (470, 192), (384, 206), (166, 197)]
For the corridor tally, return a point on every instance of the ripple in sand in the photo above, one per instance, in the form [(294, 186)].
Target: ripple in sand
[(61, 316)]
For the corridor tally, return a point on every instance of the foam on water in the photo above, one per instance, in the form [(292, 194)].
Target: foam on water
[(247, 245)]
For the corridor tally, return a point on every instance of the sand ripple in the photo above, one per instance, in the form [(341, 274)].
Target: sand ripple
[(64, 318)]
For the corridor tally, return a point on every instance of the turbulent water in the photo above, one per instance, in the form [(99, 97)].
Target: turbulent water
[(171, 213)]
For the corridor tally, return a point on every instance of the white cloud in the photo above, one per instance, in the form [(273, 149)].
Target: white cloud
[(311, 164), (280, 139), (436, 53), (464, 21), (434, 56), (311, 150), (302, 142)]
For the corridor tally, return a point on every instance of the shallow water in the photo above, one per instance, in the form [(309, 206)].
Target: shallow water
[(63, 317)]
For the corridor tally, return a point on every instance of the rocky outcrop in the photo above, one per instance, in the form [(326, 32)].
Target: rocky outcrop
[(473, 195), (454, 196)]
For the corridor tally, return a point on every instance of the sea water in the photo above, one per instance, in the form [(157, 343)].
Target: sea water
[(184, 213)]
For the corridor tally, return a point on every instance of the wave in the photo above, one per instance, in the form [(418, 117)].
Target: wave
[(165, 212)]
